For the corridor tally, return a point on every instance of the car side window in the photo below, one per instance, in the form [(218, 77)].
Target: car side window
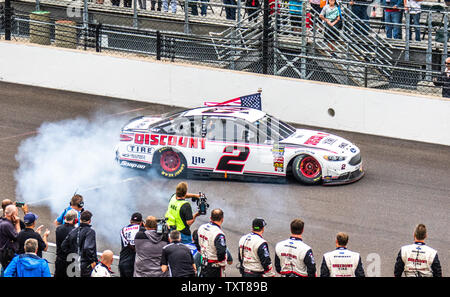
[(176, 126)]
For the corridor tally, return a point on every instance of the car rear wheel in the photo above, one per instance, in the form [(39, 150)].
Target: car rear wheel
[(307, 169), (170, 163)]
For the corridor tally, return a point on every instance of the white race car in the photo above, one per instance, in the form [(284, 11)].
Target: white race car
[(236, 142)]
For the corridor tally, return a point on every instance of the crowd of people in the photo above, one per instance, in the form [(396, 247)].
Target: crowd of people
[(394, 11), (154, 247)]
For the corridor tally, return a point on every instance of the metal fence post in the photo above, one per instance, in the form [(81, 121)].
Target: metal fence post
[(98, 28), (445, 49), (407, 30), (303, 60), (429, 48), (135, 14), (158, 45), (265, 40), (7, 12), (186, 17)]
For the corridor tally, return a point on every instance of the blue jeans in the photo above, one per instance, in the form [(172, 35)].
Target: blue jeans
[(414, 19), (361, 25), (204, 7), (392, 29)]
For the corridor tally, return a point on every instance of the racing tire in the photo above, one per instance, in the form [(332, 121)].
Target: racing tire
[(169, 163), (307, 170)]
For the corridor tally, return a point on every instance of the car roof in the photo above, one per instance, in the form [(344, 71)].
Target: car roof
[(245, 113)]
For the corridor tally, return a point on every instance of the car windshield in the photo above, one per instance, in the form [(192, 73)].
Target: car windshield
[(274, 128)]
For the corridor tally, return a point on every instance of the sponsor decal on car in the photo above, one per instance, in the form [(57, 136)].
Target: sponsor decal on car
[(132, 165), (170, 140), (198, 160), (140, 149)]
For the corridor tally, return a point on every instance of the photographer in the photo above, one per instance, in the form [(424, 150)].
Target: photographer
[(179, 212), (77, 204), (21, 205), (128, 251), (9, 231), (149, 244)]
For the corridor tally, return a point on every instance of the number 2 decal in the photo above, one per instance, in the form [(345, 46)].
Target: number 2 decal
[(233, 163)]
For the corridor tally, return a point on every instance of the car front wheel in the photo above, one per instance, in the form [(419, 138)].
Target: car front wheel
[(307, 169)]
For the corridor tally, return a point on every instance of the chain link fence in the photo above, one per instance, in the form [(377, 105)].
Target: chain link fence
[(283, 38)]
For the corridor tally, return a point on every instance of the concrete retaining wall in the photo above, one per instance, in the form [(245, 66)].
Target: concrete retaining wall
[(375, 112)]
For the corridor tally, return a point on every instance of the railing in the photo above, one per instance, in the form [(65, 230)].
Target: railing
[(259, 40)]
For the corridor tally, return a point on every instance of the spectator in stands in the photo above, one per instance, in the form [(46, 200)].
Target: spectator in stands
[(30, 223), (204, 7), (392, 18), (193, 6), (359, 8), (61, 233), (252, 8), (82, 241), (128, 251), (142, 4), (28, 264), (177, 257), (149, 245), (295, 12), (153, 3), (315, 5), (127, 3), (444, 80), (103, 268), (330, 14), (413, 8), (9, 231), (230, 9), (115, 2), (77, 203), (173, 5)]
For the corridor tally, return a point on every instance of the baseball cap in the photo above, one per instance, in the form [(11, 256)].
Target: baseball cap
[(29, 218), (136, 217), (258, 224)]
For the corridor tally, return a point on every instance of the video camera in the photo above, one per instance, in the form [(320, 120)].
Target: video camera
[(162, 228), (201, 203)]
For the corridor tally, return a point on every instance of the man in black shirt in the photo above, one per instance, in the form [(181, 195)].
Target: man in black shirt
[(82, 241), (30, 222), (62, 231), (177, 257)]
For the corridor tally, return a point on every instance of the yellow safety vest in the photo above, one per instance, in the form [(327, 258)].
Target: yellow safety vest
[(173, 213)]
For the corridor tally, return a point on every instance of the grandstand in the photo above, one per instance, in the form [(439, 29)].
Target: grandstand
[(268, 44)]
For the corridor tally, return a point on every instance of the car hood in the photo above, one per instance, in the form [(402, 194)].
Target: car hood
[(321, 140)]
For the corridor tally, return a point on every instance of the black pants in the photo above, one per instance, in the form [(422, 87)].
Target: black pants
[(211, 270), (251, 274), (60, 268)]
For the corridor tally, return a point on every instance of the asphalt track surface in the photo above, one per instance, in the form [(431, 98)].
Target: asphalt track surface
[(406, 183)]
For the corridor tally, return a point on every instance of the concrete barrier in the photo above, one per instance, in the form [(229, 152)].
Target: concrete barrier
[(383, 113)]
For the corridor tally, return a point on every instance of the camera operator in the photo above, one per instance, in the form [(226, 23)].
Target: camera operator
[(179, 212), (128, 251), (76, 203), (213, 246), (21, 205), (149, 245)]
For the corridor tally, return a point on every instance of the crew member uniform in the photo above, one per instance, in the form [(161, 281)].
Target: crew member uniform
[(178, 213), (213, 249), (294, 258), (418, 260), (254, 256), (128, 252), (341, 263)]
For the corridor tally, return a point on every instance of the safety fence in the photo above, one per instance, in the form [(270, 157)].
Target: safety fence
[(284, 38)]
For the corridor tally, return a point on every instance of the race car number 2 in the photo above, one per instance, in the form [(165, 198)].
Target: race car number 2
[(232, 162)]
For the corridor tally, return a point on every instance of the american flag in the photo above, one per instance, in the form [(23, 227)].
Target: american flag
[(251, 101)]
